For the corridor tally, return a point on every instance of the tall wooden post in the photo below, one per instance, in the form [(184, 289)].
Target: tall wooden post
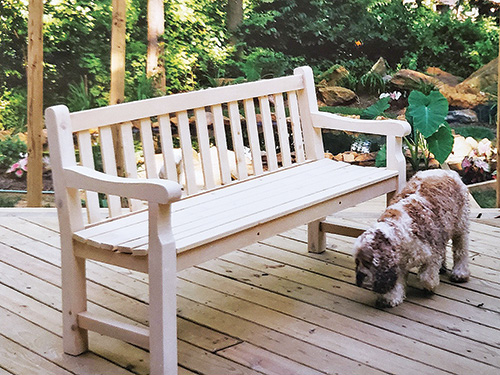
[(156, 28), (498, 131), (117, 93), (34, 72)]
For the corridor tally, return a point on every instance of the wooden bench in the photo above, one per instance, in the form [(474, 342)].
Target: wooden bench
[(214, 199)]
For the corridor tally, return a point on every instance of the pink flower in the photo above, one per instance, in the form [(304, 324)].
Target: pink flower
[(19, 173)]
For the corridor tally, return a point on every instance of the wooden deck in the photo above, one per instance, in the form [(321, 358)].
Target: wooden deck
[(270, 308)]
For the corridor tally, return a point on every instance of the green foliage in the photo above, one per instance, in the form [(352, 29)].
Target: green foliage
[(342, 110), (430, 133), (372, 83), (79, 97), (376, 109), (13, 109), (11, 149), (9, 200), (485, 198), (426, 112), (476, 132)]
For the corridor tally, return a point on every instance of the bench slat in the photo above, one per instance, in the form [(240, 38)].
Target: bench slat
[(148, 148), (253, 136), (109, 166), (267, 125), (204, 145), (167, 148), (129, 159), (298, 142), (286, 157), (87, 160), (187, 152), (221, 143), (237, 136)]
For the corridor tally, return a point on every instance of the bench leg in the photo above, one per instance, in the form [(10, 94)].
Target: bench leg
[(74, 299), (162, 293), (316, 238)]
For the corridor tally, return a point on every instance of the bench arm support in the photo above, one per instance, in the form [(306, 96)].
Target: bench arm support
[(152, 190), (395, 128)]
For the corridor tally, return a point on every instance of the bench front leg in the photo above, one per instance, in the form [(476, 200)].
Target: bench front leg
[(162, 292)]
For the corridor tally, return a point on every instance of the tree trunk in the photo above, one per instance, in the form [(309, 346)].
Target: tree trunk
[(234, 18), (117, 93), (34, 72), (156, 28)]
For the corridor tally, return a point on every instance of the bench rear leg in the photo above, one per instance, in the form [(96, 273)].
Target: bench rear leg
[(316, 237)]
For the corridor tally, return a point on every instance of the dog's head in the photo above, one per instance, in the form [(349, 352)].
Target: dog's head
[(376, 262)]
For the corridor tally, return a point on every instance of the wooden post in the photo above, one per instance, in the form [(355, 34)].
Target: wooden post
[(117, 93), (156, 28), (34, 72)]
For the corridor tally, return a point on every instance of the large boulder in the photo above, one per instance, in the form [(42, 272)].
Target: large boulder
[(484, 78), (408, 79), (445, 77), (333, 76), (336, 95)]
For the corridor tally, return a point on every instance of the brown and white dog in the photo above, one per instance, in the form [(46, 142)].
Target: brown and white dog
[(413, 232)]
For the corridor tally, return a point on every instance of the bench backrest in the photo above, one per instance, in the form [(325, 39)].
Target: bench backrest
[(200, 139)]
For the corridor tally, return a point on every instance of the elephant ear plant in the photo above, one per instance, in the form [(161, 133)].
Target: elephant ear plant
[(430, 132)]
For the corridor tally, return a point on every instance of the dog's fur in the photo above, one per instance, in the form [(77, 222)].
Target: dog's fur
[(413, 232)]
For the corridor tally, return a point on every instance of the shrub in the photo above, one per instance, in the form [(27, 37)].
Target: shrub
[(11, 149)]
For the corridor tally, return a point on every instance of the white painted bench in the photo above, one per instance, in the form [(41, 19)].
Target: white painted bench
[(183, 223)]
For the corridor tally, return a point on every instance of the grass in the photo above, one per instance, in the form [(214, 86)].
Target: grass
[(9, 200), (485, 198)]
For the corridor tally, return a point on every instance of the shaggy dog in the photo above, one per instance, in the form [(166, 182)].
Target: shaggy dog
[(413, 232)]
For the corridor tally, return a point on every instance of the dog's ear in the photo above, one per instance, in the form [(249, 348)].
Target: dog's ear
[(387, 270)]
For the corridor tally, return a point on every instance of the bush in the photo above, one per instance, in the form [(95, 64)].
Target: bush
[(11, 149)]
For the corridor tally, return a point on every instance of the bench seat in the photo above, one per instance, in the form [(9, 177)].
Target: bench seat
[(256, 208)]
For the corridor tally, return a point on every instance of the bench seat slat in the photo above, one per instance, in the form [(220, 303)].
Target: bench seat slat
[(261, 203)]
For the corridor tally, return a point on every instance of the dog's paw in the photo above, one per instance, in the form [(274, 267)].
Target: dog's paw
[(460, 274), (383, 302), (457, 277)]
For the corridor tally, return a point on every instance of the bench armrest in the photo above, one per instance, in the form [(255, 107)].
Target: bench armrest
[(326, 120), (152, 190)]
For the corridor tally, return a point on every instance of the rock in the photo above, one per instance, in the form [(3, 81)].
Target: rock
[(336, 95), (333, 75), (380, 67), (445, 77), (463, 96), (410, 80), (462, 116), (483, 78)]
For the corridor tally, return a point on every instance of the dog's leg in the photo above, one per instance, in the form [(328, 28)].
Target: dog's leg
[(460, 272), (396, 295), (428, 275)]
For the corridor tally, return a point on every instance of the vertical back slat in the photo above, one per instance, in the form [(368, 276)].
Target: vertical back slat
[(253, 136), (237, 136), (204, 145), (129, 159), (298, 142), (109, 166), (286, 157), (187, 152), (167, 147), (267, 125), (148, 148), (221, 143), (87, 160)]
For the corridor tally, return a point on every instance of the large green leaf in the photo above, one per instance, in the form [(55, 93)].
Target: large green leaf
[(427, 112), (441, 143), (377, 109)]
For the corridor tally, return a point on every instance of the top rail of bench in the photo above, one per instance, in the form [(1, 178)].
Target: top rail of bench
[(115, 114)]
